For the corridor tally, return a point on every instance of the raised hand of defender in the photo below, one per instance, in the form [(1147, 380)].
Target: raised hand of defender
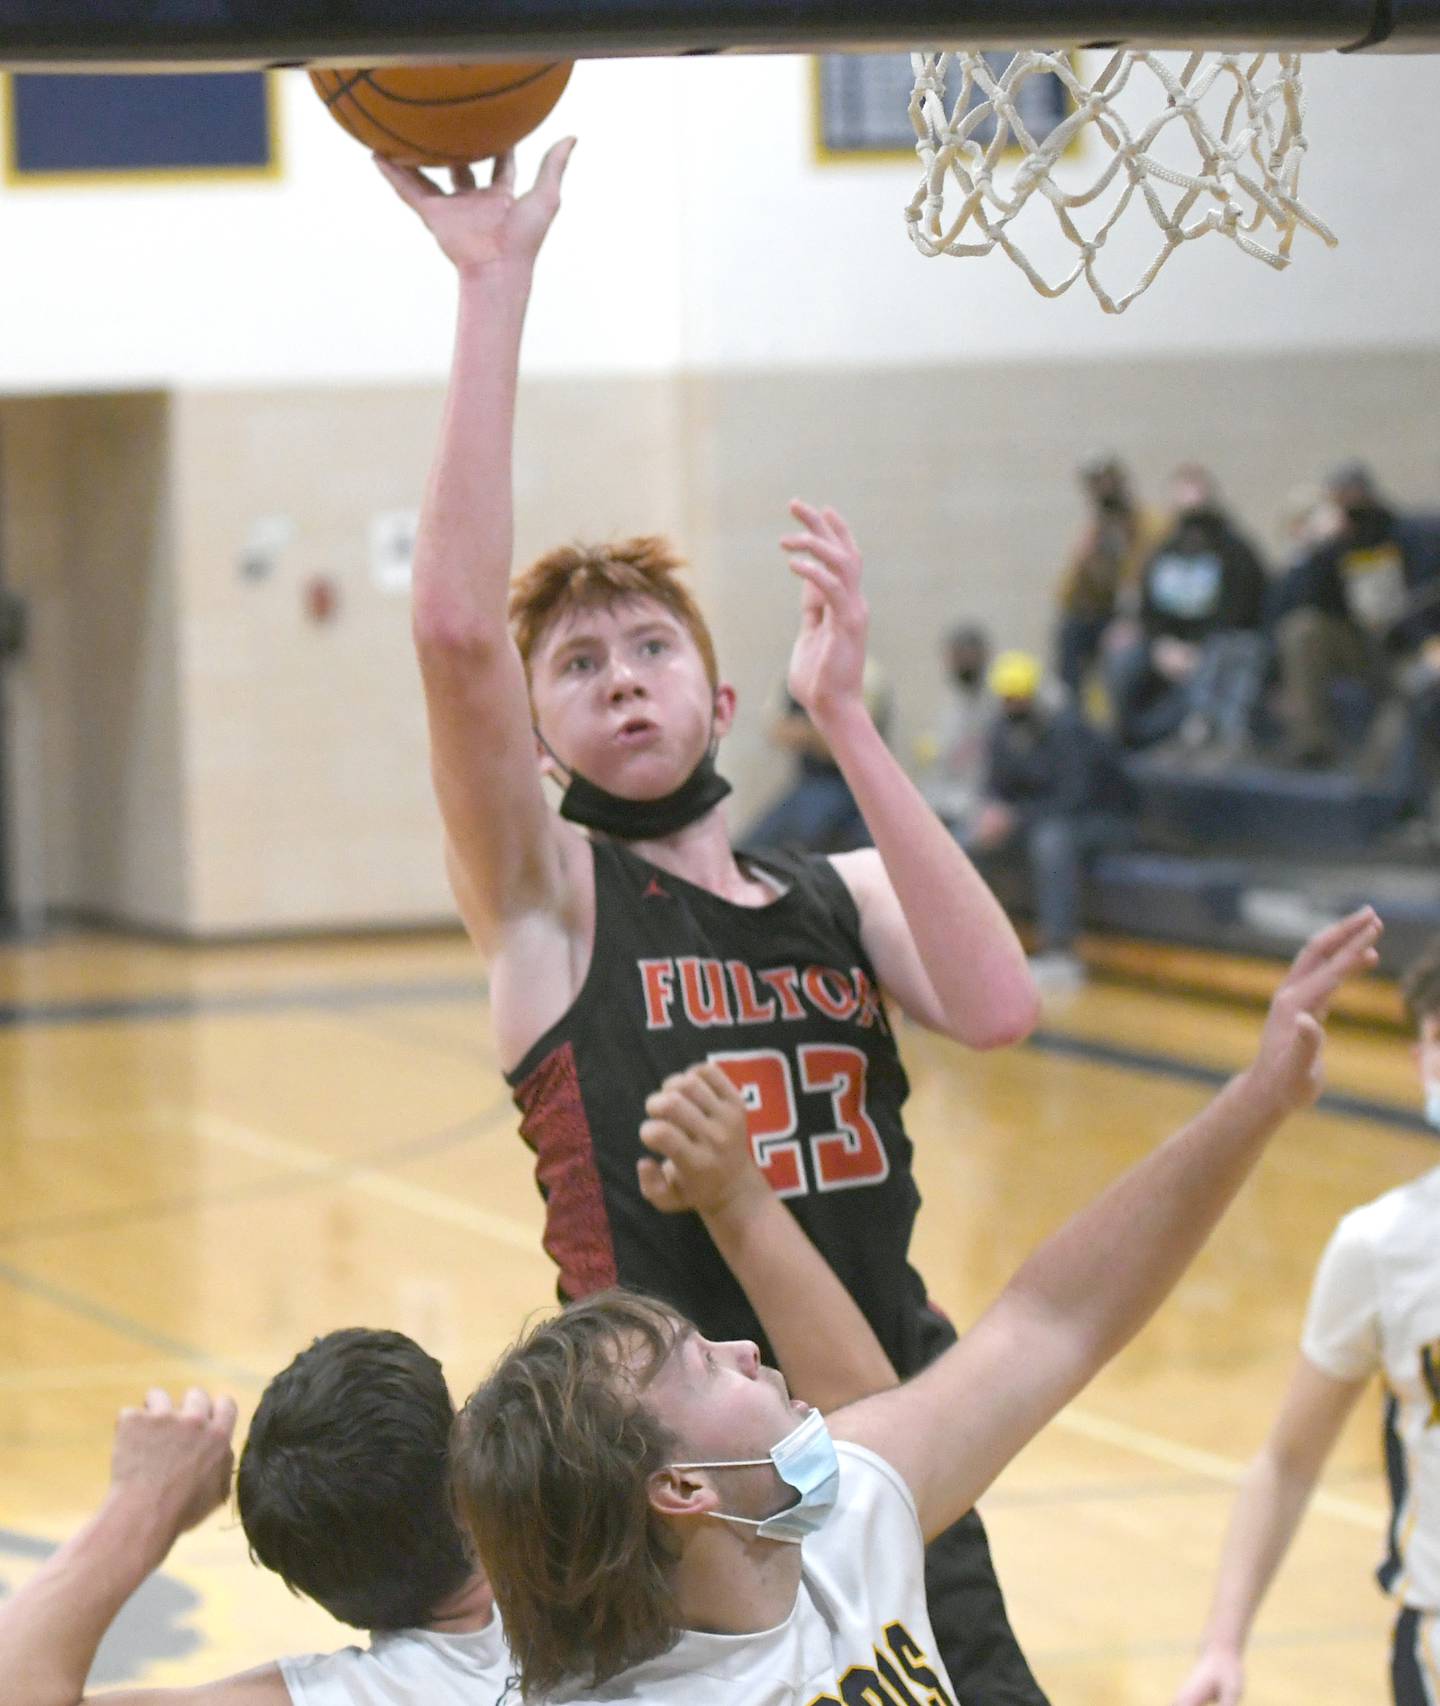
[(827, 664), (177, 1462), (483, 227), (1218, 1679), (702, 1158), (1289, 1064)]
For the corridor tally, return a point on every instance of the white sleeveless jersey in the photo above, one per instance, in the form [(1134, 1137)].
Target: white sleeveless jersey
[(1375, 1308), (858, 1632), (409, 1667)]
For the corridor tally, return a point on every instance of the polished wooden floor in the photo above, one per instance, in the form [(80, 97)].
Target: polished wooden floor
[(210, 1156)]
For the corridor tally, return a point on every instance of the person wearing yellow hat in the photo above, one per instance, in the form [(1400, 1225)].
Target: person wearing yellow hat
[(1015, 677), (1056, 794)]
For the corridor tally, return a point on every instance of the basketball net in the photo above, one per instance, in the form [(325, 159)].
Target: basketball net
[(1228, 143)]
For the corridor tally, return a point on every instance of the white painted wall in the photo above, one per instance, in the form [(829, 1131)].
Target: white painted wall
[(698, 232), (325, 275), (794, 262)]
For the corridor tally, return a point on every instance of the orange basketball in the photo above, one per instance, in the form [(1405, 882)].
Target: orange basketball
[(443, 115)]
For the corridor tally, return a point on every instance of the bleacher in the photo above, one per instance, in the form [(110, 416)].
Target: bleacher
[(1249, 863), (1253, 860)]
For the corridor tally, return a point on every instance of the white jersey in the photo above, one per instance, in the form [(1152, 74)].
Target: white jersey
[(1375, 1309), (409, 1667), (858, 1631)]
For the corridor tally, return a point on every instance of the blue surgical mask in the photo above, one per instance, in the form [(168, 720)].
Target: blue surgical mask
[(805, 1460), (1432, 1104)]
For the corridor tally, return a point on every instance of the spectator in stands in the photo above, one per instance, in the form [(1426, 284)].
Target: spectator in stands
[(1363, 604), (1191, 662), (954, 756), (817, 813), (1104, 565), (1413, 767), (1055, 791)]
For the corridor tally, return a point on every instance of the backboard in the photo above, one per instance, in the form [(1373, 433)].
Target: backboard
[(240, 34)]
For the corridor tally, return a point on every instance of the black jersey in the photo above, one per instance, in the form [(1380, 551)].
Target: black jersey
[(785, 999), (784, 996)]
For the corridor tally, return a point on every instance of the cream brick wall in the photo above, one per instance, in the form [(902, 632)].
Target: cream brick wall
[(190, 751), (95, 801)]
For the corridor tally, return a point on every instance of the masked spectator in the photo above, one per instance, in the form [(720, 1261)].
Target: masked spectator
[(1104, 565), (1192, 662), (1364, 605)]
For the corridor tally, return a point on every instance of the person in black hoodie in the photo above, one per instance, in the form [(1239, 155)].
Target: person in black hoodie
[(1190, 661), (1364, 603)]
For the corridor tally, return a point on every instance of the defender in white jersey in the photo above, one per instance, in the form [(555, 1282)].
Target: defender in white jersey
[(342, 1492), (661, 1521), (1374, 1309)]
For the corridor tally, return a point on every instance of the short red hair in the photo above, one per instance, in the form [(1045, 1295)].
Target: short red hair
[(588, 577)]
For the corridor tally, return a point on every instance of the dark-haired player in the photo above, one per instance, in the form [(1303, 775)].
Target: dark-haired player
[(343, 1491)]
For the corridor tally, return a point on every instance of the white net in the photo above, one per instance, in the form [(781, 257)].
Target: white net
[(1223, 154)]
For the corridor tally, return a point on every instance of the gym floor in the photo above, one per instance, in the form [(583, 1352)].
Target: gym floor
[(212, 1155)]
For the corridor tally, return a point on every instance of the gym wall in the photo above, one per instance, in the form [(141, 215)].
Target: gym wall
[(251, 380)]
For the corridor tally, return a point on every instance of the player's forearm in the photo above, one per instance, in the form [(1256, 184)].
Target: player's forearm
[(1102, 1276), (50, 1629), (826, 1348), (466, 536), (967, 946), (1268, 1508)]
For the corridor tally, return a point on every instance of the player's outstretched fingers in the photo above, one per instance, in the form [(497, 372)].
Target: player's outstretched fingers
[(669, 1140), (502, 173), (840, 528), (225, 1415), (462, 178), (659, 1186), (694, 1087), (669, 1104), (552, 168), (1355, 952), (828, 583), (196, 1402), (408, 182), (828, 551), (158, 1401), (1332, 939), (721, 1085)]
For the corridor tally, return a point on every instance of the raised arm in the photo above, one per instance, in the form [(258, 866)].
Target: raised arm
[(702, 1160), (1268, 1508), (1087, 1291), (939, 940), (170, 1468), (507, 852)]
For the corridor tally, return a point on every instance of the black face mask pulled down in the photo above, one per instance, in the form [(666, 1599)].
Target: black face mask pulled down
[(592, 807), (1368, 525)]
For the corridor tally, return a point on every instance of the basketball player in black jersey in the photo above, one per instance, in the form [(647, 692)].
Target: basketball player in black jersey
[(623, 954)]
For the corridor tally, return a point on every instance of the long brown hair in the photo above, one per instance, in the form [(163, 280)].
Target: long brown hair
[(581, 577), (550, 1462)]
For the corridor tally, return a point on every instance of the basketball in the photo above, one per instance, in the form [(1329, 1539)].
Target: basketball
[(443, 115)]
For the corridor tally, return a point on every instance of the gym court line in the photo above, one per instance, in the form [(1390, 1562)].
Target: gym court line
[(340, 997)]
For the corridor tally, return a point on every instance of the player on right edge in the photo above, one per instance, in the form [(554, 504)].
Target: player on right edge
[(1374, 1309)]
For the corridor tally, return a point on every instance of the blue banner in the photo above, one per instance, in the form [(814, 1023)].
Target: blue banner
[(144, 124)]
